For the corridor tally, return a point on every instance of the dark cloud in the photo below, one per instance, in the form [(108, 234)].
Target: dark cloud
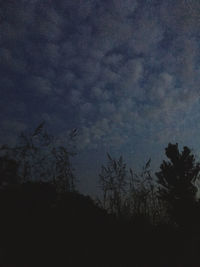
[(121, 68)]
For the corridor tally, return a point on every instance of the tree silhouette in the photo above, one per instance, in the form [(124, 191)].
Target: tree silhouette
[(176, 180), (42, 157)]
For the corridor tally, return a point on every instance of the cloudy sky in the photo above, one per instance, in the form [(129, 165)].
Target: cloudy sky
[(125, 73)]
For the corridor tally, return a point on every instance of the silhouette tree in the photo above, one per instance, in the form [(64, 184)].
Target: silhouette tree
[(42, 157), (176, 180)]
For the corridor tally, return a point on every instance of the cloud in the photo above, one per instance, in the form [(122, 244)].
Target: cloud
[(40, 84), (117, 68)]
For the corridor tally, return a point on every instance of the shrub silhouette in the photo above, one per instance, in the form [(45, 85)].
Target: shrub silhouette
[(113, 182), (44, 223), (8, 171), (39, 156)]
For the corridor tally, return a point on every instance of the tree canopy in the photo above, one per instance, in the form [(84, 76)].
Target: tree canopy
[(176, 180)]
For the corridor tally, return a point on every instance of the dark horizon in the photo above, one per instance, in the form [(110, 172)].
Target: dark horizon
[(137, 221)]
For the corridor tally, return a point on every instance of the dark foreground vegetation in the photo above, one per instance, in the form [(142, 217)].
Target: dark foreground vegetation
[(140, 221)]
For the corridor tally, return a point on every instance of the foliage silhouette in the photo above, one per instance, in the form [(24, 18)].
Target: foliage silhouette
[(113, 182), (45, 224), (142, 195), (177, 179), (41, 157), (8, 171), (128, 194)]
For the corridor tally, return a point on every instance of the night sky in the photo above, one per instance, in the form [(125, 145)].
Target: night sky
[(125, 73)]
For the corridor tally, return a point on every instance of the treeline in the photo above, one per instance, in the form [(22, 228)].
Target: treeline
[(141, 219), (170, 196)]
